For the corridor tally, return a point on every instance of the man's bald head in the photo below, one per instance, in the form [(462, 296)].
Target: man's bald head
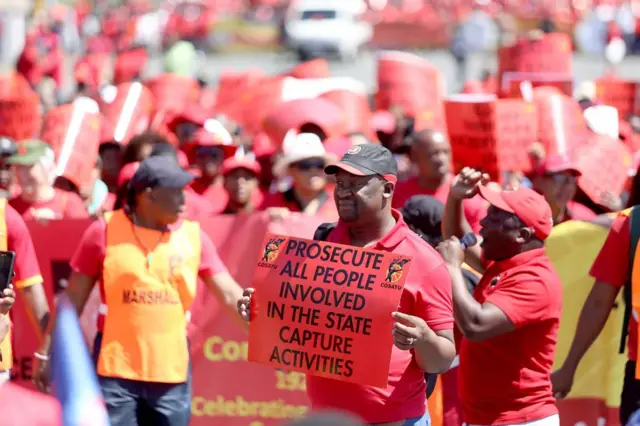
[(428, 136), (431, 153)]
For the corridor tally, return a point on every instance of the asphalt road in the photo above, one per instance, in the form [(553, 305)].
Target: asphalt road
[(364, 69)]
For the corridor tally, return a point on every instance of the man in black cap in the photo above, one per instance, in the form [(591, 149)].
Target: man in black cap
[(147, 261), (423, 331)]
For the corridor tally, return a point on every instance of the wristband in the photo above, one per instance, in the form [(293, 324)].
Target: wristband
[(41, 357)]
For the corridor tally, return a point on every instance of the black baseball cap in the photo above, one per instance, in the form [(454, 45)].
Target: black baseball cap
[(367, 160), (160, 171), (424, 214)]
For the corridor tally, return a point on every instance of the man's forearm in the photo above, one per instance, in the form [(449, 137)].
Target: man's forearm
[(454, 222), (37, 306), (436, 354), (466, 310)]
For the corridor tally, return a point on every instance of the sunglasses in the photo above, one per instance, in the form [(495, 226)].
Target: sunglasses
[(562, 178), (306, 165), (210, 151)]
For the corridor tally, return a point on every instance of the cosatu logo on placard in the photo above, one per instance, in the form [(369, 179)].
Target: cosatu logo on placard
[(396, 269), (271, 249)]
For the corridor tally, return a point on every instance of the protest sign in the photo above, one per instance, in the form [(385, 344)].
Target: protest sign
[(561, 124), (73, 130), (624, 95), (413, 83), (604, 163), (550, 54), (489, 134), (320, 112), (320, 307), (511, 82)]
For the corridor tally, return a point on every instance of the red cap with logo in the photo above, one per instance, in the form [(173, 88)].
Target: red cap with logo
[(530, 207)]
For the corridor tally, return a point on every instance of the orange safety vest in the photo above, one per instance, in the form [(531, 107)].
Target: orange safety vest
[(5, 346), (635, 288), (149, 282)]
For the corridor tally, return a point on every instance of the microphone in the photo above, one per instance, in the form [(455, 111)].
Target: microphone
[(468, 240)]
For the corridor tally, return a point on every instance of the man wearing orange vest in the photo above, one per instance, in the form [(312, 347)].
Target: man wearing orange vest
[(617, 266), (147, 261), (15, 236)]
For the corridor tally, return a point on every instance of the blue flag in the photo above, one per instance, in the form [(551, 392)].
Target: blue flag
[(74, 379)]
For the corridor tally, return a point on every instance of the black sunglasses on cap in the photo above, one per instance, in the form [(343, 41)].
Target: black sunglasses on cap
[(306, 165)]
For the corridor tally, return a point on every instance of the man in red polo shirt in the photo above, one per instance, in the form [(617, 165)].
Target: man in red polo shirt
[(431, 155), (423, 339), (510, 323)]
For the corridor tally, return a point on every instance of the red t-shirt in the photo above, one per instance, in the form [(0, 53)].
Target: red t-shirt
[(612, 267), (20, 406), (65, 205), (475, 209), (426, 294), (327, 210), (89, 257), (19, 240), (506, 379)]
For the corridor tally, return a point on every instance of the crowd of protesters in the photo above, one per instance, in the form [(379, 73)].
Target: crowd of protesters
[(164, 159)]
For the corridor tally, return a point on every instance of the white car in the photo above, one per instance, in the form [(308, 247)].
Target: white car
[(325, 28)]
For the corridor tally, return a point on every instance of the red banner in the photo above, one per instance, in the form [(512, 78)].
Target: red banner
[(228, 390), (319, 307)]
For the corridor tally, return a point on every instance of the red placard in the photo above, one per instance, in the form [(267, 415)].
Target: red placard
[(552, 53), (489, 134), (561, 123), (355, 108), (511, 82), (414, 84), (255, 102), (624, 95), (73, 130), (320, 307), (604, 163), (129, 113)]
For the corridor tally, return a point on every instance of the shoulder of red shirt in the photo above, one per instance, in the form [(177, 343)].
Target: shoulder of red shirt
[(26, 267), (528, 288), (611, 266)]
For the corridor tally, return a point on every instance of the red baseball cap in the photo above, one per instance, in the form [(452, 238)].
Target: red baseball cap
[(234, 163), (556, 163), (530, 207)]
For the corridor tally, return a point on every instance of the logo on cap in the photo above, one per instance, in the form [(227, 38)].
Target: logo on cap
[(396, 268), (271, 249), (354, 149)]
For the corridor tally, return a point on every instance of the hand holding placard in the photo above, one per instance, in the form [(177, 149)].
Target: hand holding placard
[(320, 307), (409, 330)]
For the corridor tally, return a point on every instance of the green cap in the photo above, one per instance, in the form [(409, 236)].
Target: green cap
[(29, 152)]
